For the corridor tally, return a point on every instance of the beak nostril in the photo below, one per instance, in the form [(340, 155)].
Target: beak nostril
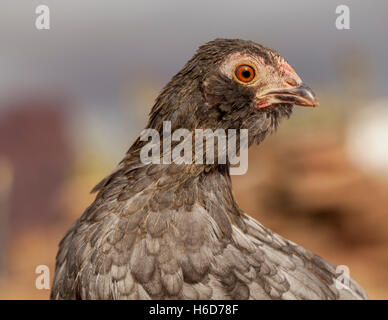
[(298, 94), (292, 82)]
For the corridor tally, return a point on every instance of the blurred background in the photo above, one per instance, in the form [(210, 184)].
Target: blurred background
[(73, 98)]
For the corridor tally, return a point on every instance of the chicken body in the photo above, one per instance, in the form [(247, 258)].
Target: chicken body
[(174, 231)]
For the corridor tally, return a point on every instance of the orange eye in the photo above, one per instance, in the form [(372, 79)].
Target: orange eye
[(244, 73)]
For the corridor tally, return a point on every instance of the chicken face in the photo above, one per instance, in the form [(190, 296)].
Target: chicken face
[(275, 83), (246, 85), (231, 84)]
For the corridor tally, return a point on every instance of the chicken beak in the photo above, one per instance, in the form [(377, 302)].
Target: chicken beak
[(301, 95)]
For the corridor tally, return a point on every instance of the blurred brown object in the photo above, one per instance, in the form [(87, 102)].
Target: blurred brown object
[(318, 183), (33, 138), (6, 176)]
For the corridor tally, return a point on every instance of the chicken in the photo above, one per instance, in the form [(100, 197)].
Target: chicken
[(175, 231)]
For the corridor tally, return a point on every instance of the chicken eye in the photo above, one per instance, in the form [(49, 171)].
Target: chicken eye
[(244, 73)]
